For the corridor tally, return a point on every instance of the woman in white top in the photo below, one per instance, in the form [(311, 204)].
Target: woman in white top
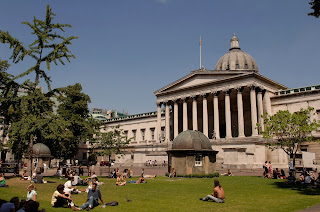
[(32, 194)]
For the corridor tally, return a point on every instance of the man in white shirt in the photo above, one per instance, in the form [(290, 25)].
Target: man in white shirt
[(68, 186)]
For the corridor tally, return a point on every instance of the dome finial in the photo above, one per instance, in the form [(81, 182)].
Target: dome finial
[(234, 42)]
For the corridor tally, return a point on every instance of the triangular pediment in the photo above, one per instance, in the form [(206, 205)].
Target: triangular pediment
[(196, 78), (199, 80)]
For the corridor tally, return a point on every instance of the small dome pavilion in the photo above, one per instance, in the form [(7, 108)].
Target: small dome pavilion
[(192, 153)]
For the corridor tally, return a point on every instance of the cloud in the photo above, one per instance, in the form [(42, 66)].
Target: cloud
[(162, 1)]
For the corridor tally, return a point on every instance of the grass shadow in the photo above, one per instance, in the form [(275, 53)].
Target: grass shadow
[(301, 188)]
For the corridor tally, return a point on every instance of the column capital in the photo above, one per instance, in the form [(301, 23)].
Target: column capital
[(239, 89), (227, 92), (159, 104), (184, 99), (194, 97), (215, 93), (175, 101), (204, 95)]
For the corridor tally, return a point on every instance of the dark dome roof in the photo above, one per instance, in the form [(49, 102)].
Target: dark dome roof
[(41, 150), (191, 140)]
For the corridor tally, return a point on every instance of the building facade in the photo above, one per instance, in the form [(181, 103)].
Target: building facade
[(225, 104)]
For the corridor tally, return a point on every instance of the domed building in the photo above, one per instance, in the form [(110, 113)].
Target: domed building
[(192, 153), (224, 104)]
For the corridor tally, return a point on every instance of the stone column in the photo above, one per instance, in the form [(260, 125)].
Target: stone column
[(228, 114), (185, 114), (167, 127), (240, 113), (268, 102), (175, 119), (260, 109), (205, 115), (194, 113), (216, 115), (253, 110), (158, 129)]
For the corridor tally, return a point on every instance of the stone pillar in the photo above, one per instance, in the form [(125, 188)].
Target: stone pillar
[(158, 129), (194, 114), (185, 114), (167, 127), (216, 115), (228, 114), (260, 109), (240, 112), (205, 115), (253, 110), (268, 102), (175, 119)]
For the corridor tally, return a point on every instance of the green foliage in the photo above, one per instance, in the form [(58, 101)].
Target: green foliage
[(73, 108), (36, 122), (287, 130), (315, 6), (8, 99), (109, 142), (48, 47)]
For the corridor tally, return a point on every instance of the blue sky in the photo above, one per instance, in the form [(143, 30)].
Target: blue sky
[(127, 49)]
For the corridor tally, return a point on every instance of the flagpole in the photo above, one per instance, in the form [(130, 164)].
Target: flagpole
[(200, 51)]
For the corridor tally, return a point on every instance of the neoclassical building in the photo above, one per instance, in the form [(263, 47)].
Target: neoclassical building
[(225, 104)]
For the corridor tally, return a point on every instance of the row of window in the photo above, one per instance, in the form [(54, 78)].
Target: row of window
[(143, 134)]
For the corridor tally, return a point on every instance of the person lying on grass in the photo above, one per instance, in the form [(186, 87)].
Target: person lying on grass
[(217, 195), (94, 195), (141, 180)]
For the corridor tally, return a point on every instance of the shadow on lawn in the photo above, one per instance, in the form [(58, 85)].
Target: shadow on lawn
[(301, 188)]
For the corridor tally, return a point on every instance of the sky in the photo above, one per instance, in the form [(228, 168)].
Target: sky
[(127, 49)]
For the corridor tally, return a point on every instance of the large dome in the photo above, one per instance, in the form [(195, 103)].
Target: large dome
[(236, 59), (191, 140)]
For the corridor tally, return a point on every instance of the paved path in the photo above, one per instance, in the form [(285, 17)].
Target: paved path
[(315, 208)]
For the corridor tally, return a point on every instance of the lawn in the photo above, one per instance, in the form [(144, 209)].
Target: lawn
[(182, 194)]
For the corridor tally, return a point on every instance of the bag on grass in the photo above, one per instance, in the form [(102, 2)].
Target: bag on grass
[(113, 203)]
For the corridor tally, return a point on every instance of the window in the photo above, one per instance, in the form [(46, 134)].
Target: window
[(134, 132), (246, 66), (152, 133), (143, 133), (237, 66), (198, 160), (84, 156), (227, 67), (126, 134)]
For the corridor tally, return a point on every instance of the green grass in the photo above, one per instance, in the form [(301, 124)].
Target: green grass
[(182, 194)]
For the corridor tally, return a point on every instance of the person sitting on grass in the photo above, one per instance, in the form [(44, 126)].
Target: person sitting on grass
[(24, 175), (11, 206), (282, 175), (291, 178), (130, 173), (60, 199), (69, 189), (173, 173), (217, 195), (120, 181), (3, 181), (94, 195), (229, 173), (31, 194)]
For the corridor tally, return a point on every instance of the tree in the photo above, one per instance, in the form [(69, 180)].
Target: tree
[(44, 49), (111, 142), (288, 131), (8, 99), (36, 122), (73, 108), (315, 6)]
